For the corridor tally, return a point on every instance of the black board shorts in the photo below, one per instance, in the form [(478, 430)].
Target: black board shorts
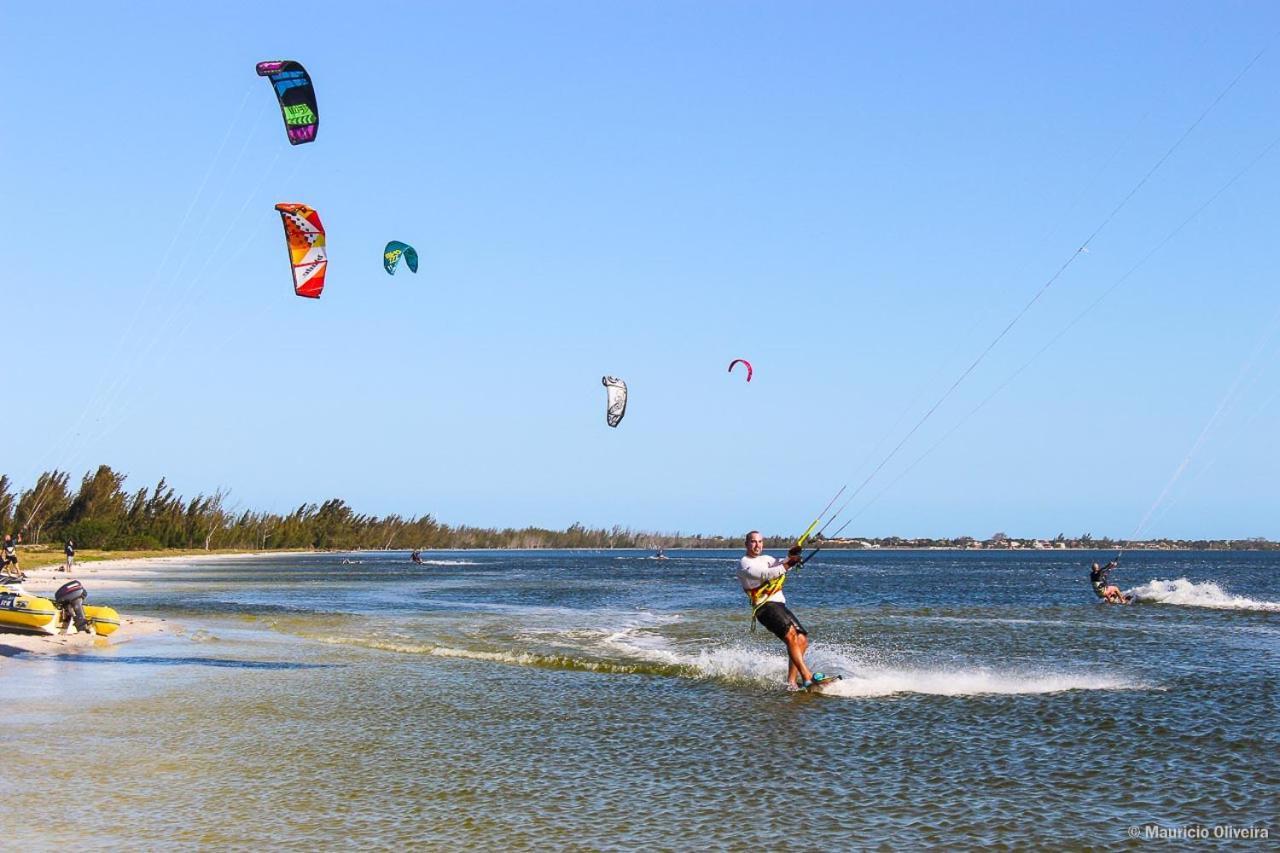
[(778, 619)]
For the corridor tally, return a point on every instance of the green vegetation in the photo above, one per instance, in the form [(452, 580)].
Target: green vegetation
[(102, 515)]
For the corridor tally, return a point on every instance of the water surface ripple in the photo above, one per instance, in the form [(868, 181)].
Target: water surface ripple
[(603, 700)]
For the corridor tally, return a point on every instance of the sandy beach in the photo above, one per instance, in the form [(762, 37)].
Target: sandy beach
[(97, 577)]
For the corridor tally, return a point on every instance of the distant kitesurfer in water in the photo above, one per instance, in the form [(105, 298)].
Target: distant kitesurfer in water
[(416, 556), (755, 571), (1109, 593)]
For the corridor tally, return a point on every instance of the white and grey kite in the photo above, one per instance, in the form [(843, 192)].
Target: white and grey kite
[(616, 390)]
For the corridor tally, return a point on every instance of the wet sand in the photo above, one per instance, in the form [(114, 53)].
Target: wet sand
[(18, 642)]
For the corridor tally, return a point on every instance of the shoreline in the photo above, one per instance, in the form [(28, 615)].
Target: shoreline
[(97, 575)]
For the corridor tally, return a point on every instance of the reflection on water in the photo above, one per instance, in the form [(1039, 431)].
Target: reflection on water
[(582, 700), (192, 660)]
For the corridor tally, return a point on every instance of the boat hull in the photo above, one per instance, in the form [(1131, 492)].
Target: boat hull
[(105, 620), (22, 612)]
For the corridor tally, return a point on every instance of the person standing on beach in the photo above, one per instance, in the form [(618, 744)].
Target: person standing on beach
[(755, 571), (10, 556), (70, 551)]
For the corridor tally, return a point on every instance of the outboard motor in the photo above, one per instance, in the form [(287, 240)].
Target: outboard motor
[(69, 592), (70, 599)]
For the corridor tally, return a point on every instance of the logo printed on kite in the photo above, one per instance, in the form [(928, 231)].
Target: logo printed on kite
[(394, 252), (299, 114)]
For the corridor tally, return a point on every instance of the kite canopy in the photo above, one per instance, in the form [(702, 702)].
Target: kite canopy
[(396, 250), (616, 390), (304, 236), (297, 98), (737, 361)]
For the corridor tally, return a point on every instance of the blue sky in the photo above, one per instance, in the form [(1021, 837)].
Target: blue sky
[(855, 197)]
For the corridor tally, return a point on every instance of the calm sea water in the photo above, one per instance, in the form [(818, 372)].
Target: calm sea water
[(604, 700)]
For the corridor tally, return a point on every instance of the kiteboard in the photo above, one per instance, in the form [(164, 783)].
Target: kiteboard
[(818, 683)]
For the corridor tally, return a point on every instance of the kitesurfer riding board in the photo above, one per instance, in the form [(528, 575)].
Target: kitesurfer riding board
[(761, 578), (1109, 593)]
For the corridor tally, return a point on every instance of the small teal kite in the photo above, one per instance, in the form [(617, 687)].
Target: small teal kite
[(392, 254)]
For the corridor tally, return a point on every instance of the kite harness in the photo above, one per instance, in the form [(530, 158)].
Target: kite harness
[(760, 594)]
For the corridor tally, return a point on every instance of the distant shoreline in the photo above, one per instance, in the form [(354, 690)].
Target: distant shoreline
[(46, 558), (51, 512)]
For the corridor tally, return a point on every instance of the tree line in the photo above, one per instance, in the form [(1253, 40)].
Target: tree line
[(102, 513)]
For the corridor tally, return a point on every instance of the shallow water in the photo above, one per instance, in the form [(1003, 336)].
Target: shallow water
[(604, 700)]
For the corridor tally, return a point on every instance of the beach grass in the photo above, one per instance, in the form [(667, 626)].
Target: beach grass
[(32, 557)]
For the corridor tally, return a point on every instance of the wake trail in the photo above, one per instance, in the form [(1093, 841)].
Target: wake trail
[(640, 649), (1187, 593)]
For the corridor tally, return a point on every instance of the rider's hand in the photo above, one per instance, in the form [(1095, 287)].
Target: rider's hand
[(795, 551)]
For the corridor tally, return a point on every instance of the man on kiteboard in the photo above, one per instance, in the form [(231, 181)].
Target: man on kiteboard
[(1109, 593), (760, 577)]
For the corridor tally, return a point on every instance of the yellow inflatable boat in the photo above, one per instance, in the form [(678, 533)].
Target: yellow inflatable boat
[(20, 611)]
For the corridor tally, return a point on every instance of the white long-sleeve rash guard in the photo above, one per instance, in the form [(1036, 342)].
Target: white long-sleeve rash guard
[(753, 572)]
